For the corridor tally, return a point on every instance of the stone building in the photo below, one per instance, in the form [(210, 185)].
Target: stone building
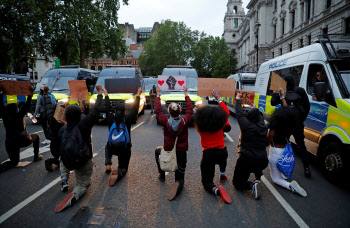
[(282, 26)]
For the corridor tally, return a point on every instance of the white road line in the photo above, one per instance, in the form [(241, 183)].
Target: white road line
[(284, 204), (229, 137), (31, 198), (29, 152), (153, 116)]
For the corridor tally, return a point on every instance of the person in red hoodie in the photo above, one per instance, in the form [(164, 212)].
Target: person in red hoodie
[(210, 122), (174, 126)]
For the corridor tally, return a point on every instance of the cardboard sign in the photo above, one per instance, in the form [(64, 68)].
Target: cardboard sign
[(277, 82), (247, 97), (78, 90), (122, 85), (225, 87), (23, 88), (169, 82), (60, 114)]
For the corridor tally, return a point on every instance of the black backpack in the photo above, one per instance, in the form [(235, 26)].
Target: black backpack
[(74, 151), (293, 99)]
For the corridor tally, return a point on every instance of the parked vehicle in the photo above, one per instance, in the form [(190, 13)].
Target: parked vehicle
[(327, 128), (124, 72), (8, 99)]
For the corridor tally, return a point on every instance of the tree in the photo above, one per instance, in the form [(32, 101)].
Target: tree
[(171, 45), (233, 61), (222, 67)]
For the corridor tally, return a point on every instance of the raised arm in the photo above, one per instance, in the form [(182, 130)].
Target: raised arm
[(161, 117), (189, 108), (243, 122), (107, 103), (94, 115), (132, 115), (54, 83), (222, 105)]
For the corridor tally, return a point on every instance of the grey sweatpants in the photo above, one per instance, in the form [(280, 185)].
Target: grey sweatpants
[(82, 176)]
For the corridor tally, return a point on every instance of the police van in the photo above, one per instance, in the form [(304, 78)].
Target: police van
[(124, 72), (177, 96), (244, 81), (61, 88), (9, 99), (323, 70)]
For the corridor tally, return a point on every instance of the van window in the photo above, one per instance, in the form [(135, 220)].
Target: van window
[(237, 84), (295, 71), (316, 74)]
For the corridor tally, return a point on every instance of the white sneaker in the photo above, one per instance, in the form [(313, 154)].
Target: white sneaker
[(46, 141), (295, 187), (256, 190)]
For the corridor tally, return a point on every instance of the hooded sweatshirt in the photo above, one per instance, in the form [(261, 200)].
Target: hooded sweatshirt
[(174, 128), (253, 133)]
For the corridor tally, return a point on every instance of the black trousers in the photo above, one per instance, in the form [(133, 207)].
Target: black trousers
[(210, 158), (44, 124), (181, 157), (244, 167), (13, 147), (55, 151), (123, 159), (299, 137)]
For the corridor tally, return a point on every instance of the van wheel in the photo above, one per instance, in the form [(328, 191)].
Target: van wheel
[(331, 161)]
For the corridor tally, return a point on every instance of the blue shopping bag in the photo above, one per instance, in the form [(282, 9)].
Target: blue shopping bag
[(286, 163)]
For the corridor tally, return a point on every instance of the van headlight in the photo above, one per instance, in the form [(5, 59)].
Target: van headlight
[(162, 102), (128, 101), (198, 103), (92, 101), (64, 100), (246, 106)]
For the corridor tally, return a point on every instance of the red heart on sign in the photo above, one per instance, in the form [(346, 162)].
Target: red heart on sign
[(181, 82), (161, 82), (251, 97)]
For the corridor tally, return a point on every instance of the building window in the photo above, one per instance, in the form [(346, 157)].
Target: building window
[(282, 26), (92, 67), (36, 75), (309, 39), (308, 9), (275, 2), (281, 51), (233, 35), (121, 62), (235, 9), (129, 62), (301, 43), (275, 32), (347, 25), (291, 47), (329, 3), (273, 54), (235, 22), (99, 67), (293, 19), (325, 31), (135, 62)]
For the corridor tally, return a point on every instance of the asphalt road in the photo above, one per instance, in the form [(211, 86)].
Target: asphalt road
[(29, 195)]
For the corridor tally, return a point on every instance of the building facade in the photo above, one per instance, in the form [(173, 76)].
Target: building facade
[(277, 27)]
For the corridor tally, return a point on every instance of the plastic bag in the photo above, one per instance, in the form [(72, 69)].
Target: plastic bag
[(286, 163)]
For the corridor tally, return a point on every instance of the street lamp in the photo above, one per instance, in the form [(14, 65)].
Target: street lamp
[(257, 25)]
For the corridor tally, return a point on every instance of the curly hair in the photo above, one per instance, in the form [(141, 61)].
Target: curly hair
[(210, 119), (283, 121)]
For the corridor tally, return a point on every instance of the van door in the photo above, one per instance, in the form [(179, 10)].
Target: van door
[(318, 78)]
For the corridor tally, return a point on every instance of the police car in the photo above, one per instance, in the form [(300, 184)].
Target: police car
[(8, 99), (323, 70)]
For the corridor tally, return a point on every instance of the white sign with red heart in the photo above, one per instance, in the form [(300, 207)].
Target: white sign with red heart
[(169, 82)]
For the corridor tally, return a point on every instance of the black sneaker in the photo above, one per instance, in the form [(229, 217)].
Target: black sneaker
[(48, 165), (256, 190), (64, 185), (37, 158)]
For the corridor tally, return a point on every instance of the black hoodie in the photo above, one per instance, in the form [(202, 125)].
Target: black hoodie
[(253, 133)]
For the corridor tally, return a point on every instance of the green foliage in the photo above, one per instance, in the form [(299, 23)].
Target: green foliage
[(176, 44), (171, 45), (72, 30)]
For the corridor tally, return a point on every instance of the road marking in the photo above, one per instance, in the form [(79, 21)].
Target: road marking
[(284, 204), (229, 137), (153, 116), (29, 152), (36, 132), (31, 198)]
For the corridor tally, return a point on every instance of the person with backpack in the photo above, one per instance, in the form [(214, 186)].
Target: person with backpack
[(281, 125), (76, 150), (175, 129), (45, 106), (252, 157), (210, 122), (17, 136), (119, 137), (298, 100)]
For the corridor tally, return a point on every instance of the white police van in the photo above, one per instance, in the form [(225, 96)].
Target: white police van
[(323, 70)]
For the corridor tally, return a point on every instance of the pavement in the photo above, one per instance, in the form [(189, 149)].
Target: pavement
[(30, 194)]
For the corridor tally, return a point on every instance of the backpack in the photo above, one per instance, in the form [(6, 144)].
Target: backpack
[(118, 138), (293, 99), (74, 151)]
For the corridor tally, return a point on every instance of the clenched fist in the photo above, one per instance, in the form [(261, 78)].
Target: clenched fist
[(171, 81)]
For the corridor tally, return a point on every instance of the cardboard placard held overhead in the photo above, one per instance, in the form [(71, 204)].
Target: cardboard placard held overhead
[(169, 82), (78, 90), (122, 85), (277, 82), (23, 88), (60, 114), (225, 87), (247, 97)]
